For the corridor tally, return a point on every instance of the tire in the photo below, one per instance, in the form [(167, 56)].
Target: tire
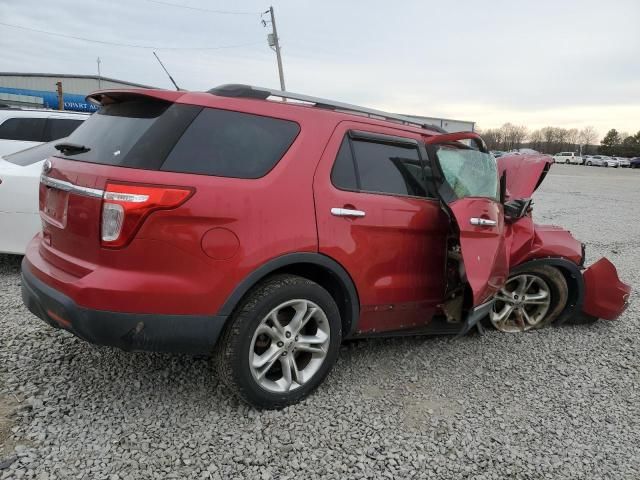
[(588, 164), (279, 297), (568, 162), (540, 311), (581, 318)]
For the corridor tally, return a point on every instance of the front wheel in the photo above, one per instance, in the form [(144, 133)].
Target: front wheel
[(281, 343), (589, 164), (531, 298)]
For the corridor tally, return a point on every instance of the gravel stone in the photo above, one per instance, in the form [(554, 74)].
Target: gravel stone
[(555, 403)]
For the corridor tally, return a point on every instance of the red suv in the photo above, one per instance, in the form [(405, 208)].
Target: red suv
[(269, 231)]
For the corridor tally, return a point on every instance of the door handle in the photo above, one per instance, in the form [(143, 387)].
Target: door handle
[(482, 222), (346, 212)]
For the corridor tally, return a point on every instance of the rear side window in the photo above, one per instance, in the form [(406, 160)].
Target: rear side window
[(231, 144), (33, 154), (379, 167), (25, 129), (57, 128)]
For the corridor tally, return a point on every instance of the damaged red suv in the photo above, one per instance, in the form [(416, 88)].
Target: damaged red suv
[(267, 232)]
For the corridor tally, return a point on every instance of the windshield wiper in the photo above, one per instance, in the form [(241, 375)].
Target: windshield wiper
[(71, 148)]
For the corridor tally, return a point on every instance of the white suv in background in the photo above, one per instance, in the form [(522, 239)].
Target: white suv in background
[(568, 157), (24, 128)]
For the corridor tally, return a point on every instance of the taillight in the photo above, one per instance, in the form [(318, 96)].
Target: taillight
[(125, 206)]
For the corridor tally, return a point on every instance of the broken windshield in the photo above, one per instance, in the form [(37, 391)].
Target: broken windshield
[(469, 172)]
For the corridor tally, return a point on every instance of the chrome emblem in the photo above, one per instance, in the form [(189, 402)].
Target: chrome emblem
[(46, 166)]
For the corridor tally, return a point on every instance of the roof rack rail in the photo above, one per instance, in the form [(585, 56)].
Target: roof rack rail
[(248, 91)]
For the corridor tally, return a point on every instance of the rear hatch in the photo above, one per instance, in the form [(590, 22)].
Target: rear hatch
[(140, 153), (126, 142)]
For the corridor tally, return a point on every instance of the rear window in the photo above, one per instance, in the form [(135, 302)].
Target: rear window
[(33, 154), (25, 129), (157, 135)]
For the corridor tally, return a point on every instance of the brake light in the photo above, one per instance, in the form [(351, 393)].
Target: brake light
[(126, 206)]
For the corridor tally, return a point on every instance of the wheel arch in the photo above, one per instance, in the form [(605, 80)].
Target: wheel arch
[(316, 267), (572, 274)]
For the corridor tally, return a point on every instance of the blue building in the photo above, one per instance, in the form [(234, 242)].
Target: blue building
[(38, 90)]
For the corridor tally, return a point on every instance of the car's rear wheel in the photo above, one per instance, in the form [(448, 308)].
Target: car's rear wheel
[(531, 298), (589, 164), (281, 343)]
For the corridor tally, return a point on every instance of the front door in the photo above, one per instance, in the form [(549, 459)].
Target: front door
[(378, 219), (469, 187)]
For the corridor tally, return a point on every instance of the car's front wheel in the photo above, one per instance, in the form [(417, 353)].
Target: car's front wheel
[(531, 298), (589, 164), (281, 343)]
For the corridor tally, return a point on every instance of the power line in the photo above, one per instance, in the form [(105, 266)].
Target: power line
[(117, 44), (200, 9)]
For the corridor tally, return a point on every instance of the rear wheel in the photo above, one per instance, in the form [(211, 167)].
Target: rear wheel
[(531, 298), (589, 164), (281, 343)]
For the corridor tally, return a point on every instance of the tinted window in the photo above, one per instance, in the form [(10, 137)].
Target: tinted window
[(343, 174), (60, 127), (33, 154), (231, 144), (386, 168), (137, 133), (26, 129)]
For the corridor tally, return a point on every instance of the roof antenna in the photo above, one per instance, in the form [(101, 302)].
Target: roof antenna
[(166, 71)]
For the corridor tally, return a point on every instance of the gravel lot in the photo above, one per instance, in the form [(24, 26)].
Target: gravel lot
[(561, 402)]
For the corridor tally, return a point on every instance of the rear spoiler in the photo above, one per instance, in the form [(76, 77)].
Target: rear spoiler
[(105, 97)]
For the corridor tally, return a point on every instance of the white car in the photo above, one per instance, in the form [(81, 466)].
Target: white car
[(24, 128), (600, 161), (623, 162), (19, 187), (568, 158)]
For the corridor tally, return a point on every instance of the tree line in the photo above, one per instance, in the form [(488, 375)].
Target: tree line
[(555, 139)]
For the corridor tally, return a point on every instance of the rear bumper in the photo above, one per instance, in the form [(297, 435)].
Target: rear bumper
[(193, 334)]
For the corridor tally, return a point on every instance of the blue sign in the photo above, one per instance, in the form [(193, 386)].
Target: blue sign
[(72, 102)]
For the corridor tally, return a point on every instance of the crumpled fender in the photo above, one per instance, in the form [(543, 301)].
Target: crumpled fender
[(527, 240), (605, 295)]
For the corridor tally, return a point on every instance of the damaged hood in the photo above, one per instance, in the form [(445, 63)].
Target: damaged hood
[(525, 173)]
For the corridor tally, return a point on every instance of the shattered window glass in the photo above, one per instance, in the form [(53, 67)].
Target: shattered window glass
[(469, 173)]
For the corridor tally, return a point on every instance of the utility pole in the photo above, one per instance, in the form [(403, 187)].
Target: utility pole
[(60, 96), (99, 76), (274, 42)]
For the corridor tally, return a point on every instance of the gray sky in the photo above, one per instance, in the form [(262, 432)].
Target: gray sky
[(567, 63)]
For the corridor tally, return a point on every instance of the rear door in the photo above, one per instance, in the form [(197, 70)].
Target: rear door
[(378, 219), (467, 183)]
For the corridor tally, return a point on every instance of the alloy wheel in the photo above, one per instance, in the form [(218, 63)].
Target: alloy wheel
[(289, 346), (522, 304)]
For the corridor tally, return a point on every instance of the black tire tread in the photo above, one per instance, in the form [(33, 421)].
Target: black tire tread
[(226, 350)]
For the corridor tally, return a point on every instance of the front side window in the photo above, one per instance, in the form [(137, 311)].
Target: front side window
[(25, 129), (469, 172)]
